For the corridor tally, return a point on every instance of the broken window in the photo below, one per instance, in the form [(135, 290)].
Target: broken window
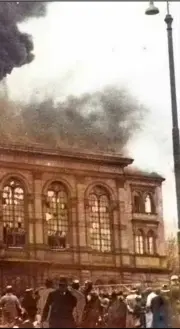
[(57, 216), (13, 206), (100, 231), (137, 202)]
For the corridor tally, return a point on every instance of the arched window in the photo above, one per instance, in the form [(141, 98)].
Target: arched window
[(57, 215), (148, 204), (139, 242), (137, 202), (100, 225), (13, 211), (150, 243)]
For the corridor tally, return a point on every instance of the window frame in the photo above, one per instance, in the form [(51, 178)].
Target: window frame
[(139, 195), (149, 235), (25, 215), (104, 192), (139, 234), (63, 188)]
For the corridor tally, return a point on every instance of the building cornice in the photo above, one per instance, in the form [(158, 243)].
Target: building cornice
[(85, 156), (143, 177)]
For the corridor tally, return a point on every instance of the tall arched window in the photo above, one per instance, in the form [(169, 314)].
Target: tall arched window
[(139, 242), (148, 204), (57, 215), (137, 202), (100, 222), (13, 209), (150, 243)]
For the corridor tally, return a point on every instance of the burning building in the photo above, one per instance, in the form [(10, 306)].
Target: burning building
[(83, 215)]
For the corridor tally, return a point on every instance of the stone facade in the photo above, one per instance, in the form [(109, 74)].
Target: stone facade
[(36, 169)]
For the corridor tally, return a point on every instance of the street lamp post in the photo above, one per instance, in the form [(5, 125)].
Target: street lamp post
[(152, 10)]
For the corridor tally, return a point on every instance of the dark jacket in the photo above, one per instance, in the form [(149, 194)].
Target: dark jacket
[(61, 309), (29, 304), (160, 312)]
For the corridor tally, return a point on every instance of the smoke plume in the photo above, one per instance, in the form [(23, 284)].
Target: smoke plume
[(105, 120), (16, 47)]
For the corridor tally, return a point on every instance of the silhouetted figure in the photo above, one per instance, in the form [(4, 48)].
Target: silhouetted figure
[(60, 303)]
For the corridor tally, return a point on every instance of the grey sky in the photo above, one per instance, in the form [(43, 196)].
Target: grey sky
[(82, 46)]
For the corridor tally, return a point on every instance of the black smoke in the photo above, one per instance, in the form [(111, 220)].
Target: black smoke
[(104, 121), (16, 48)]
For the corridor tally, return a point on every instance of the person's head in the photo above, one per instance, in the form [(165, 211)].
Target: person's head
[(174, 280), (120, 293), (121, 298), (149, 290), (29, 292), (63, 283), (138, 298), (9, 289), (76, 284), (48, 283), (88, 286), (158, 291), (134, 291), (125, 294), (94, 296), (105, 303)]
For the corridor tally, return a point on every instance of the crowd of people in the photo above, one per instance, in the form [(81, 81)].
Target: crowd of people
[(75, 306)]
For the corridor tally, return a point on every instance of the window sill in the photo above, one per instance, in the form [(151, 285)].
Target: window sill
[(98, 252), (14, 247), (58, 249), (145, 213), (145, 217), (147, 255)]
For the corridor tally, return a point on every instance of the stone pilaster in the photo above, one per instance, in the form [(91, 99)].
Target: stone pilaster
[(73, 241), (38, 211), (81, 216), (30, 219), (124, 196), (82, 225)]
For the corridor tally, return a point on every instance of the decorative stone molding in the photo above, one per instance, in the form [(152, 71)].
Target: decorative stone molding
[(120, 182), (80, 179), (37, 175), (143, 188)]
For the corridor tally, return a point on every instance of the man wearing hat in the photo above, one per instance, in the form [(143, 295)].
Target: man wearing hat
[(60, 303), (175, 301), (10, 305)]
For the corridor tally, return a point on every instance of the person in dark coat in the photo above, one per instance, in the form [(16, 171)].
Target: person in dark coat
[(159, 308), (29, 304), (60, 303)]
